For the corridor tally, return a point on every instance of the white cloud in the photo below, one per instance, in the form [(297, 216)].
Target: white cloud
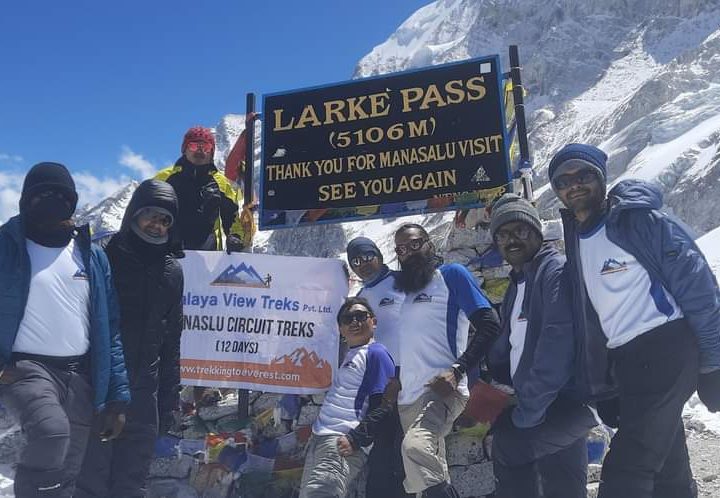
[(137, 163), (10, 158), (10, 188)]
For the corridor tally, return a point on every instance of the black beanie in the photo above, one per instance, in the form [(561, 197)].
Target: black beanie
[(361, 245), (46, 176)]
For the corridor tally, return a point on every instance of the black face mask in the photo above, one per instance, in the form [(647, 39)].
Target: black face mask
[(146, 252), (47, 222)]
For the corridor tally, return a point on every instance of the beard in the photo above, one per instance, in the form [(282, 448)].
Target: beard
[(416, 272)]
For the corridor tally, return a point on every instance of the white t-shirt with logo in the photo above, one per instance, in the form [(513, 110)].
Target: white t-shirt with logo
[(518, 328), (627, 300), (56, 320), (365, 371), (386, 302), (433, 328)]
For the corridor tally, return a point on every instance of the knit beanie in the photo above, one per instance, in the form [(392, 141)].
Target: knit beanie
[(361, 245), (48, 176), (198, 134), (573, 155), (512, 207)]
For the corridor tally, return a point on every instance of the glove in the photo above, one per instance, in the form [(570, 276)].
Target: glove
[(709, 390), (233, 243), (112, 421), (609, 411), (210, 199)]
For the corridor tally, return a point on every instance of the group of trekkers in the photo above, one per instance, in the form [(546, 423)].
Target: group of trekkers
[(626, 325), (622, 329)]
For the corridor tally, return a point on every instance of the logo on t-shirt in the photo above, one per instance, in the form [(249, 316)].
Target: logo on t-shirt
[(612, 265), (422, 298), (386, 301), (522, 317), (81, 274)]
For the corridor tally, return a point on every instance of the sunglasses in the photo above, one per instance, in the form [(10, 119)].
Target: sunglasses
[(583, 177), (413, 245), (156, 217), (195, 146), (354, 316), (364, 258), (504, 236)]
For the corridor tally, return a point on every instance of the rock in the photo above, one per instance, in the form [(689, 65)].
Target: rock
[(170, 488), (593, 474), (177, 468), (308, 414), (12, 442), (212, 413), (473, 480), (593, 490), (710, 478), (695, 425), (263, 402), (463, 449)]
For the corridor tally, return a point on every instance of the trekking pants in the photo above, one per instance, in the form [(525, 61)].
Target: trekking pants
[(546, 461), (656, 373), (426, 423), (327, 474), (119, 468), (55, 409)]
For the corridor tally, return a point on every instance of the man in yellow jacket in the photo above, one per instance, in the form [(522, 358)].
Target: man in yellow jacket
[(209, 202)]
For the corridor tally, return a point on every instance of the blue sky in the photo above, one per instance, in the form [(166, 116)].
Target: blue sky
[(108, 88)]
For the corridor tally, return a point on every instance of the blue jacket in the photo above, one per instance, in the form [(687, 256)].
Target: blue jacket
[(107, 364), (663, 246), (546, 366)]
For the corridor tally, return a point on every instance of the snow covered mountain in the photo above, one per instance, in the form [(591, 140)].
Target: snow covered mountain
[(639, 78)]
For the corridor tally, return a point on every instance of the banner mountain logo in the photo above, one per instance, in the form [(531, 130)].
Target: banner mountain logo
[(242, 275)]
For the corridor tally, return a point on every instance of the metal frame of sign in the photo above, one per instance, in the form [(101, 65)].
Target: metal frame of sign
[(501, 78)]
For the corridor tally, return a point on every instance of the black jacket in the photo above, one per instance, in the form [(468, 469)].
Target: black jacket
[(149, 285), (546, 367), (199, 225)]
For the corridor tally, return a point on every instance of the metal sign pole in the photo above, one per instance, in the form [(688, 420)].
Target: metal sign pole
[(525, 168)]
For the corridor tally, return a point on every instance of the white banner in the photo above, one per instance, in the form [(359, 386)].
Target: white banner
[(261, 322)]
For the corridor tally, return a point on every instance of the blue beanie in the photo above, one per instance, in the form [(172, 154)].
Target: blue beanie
[(578, 154)]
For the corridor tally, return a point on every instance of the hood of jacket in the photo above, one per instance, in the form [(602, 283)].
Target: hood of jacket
[(634, 194), (151, 193)]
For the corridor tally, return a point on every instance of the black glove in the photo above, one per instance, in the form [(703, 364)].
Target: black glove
[(233, 243), (609, 411), (709, 390), (210, 198)]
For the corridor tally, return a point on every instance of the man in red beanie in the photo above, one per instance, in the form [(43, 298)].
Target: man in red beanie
[(208, 201)]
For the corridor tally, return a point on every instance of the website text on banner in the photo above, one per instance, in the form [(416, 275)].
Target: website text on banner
[(261, 322), (410, 142)]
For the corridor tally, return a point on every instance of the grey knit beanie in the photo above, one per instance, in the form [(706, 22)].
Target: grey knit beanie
[(512, 207)]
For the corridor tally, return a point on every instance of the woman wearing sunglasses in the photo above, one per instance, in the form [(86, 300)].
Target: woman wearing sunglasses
[(353, 408)]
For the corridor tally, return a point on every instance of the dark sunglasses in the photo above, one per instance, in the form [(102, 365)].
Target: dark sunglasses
[(504, 236), (354, 316), (413, 245), (195, 146), (583, 177), (364, 258)]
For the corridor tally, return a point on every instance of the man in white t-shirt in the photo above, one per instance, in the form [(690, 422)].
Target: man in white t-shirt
[(439, 303), (642, 288), (354, 408), (385, 467), (540, 444), (61, 357)]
